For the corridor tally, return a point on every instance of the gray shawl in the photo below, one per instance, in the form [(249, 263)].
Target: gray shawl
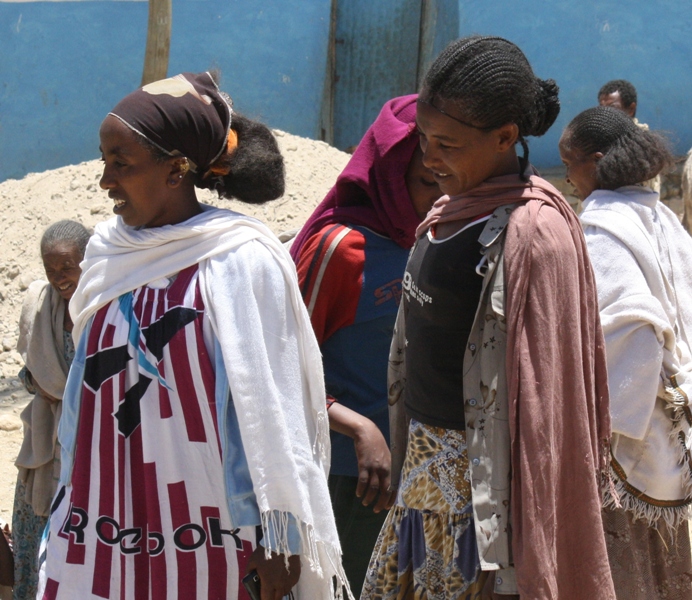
[(41, 346)]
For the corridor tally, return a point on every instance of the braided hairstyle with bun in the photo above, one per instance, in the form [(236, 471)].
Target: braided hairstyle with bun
[(491, 83), (254, 169), (631, 155), (188, 117)]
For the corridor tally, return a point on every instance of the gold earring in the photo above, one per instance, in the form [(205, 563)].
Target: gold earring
[(184, 167)]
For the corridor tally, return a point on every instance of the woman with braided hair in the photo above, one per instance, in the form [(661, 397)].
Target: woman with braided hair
[(497, 384), (641, 258)]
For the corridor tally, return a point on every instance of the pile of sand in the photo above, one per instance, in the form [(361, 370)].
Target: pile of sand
[(29, 205)]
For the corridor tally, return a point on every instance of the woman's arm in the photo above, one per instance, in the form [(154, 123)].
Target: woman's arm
[(330, 274), (27, 380), (32, 386), (276, 580), (374, 459)]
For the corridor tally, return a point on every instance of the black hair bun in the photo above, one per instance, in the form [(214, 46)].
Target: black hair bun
[(255, 167), (547, 106)]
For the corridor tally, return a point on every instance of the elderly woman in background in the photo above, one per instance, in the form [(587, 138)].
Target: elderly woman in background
[(45, 343)]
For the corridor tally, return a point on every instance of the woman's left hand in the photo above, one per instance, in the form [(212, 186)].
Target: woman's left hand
[(275, 581), (374, 467), (372, 454)]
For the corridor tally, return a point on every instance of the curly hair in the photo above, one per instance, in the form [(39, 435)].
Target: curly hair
[(255, 167), (491, 82), (67, 231), (628, 93), (631, 154)]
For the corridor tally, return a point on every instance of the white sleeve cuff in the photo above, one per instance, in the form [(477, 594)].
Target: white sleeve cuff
[(505, 581)]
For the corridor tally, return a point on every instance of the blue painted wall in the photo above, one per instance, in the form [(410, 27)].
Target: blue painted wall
[(63, 65), (381, 47), (583, 44), (376, 58)]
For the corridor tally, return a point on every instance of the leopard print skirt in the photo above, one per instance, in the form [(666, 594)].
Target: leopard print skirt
[(427, 547)]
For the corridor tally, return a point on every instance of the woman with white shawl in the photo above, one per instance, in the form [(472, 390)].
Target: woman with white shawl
[(46, 346), (641, 257), (194, 432)]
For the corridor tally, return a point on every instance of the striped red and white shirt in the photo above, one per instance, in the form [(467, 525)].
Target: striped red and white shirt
[(145, 515)]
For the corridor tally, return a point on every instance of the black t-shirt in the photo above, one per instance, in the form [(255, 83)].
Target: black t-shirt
[(441, 292)]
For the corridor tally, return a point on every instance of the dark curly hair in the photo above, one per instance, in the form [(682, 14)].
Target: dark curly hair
[(491, 82), (255, 167), (631, 154), (628, 93)]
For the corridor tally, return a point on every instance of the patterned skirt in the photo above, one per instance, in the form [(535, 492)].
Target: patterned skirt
[(646, 563), (27, 529), (427, 547)]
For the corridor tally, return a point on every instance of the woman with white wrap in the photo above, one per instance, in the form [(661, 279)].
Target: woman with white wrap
[(641, 257), (194, 433)]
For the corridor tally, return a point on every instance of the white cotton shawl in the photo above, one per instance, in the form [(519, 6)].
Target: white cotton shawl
[(642, 259), (250, 291)]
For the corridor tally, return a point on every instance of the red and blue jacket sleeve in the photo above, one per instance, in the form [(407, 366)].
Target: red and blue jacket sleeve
[(330, 274)]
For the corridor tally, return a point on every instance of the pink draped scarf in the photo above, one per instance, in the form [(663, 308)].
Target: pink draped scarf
[(371, 191), (557, 386)]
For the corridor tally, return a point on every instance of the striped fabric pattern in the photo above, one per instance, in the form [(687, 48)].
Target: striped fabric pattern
[(328, 243), (322, 287), (145, 516)]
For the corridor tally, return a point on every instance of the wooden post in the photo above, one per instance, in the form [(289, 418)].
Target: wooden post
[(327, 112), (439, 25), (426, 41), (158, 41)]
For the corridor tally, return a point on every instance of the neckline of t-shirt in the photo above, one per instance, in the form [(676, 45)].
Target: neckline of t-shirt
[(434, 240)]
